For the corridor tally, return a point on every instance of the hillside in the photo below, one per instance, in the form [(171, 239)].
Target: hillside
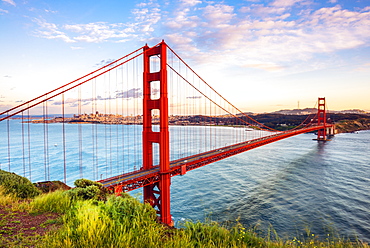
[(348, 126)]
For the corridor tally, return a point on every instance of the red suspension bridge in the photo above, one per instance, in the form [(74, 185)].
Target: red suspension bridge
[(135, 122)]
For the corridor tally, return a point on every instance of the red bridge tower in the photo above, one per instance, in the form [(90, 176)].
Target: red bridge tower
[(157, 194), (321, 119)]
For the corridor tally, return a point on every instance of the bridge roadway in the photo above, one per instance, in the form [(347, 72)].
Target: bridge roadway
[(140, 178)]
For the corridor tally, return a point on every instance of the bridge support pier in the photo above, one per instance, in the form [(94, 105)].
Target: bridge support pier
[(157, 194)]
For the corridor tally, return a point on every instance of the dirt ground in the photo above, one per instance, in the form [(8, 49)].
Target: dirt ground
[(23, 229)]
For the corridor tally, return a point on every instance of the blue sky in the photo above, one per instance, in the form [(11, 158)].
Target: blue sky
[(262, 55)]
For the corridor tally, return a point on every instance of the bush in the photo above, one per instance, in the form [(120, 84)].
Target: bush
[(87, 189), (17, 185), (84, 183)]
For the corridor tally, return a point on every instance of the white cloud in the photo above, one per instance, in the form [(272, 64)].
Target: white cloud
[(266, 67), (3, 11), (285, 3), (190, 2), (363, 68), (146, 17), (265, 36), (11, 2), (50, 11), (51, 31), (219, 14), (98, 32)]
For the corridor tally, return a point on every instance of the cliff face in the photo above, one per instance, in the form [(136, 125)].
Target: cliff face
[(348, 126)]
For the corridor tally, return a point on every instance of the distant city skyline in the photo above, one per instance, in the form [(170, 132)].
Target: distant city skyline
[(262, 55)]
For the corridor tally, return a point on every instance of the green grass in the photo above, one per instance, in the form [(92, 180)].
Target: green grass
[(125, 222), (54, 202), (6, 198)]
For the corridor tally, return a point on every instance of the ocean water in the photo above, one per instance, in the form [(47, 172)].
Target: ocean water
[(291, 185)]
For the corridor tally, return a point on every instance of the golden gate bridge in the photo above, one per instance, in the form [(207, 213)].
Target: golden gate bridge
[(137, 121)]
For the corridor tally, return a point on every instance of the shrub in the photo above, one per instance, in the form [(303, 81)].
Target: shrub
[(83, 183), (17, 185), (87, 189)]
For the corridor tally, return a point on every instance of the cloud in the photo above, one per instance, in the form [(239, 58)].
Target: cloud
[(50, 11), (98, 31), (190, 2), (132, 93), (218, 15), (129, 94), (266, 36), (51, 31), (285, 3), (104, 62), (363, 68), (266, 67), (3, 11), (11, 2), (146, 16)]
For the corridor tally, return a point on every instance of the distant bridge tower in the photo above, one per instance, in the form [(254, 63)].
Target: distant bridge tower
[(321, 119), (157, 194)]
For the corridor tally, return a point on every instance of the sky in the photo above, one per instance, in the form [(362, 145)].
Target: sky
[(261, 55)]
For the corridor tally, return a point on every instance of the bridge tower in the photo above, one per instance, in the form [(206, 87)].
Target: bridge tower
[(321, 119), (157, 194)]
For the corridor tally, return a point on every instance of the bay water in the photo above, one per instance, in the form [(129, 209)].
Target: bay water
[(291, 186)]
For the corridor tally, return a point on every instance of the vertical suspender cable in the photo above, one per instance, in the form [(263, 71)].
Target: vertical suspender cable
[(8, 131), (110, 124), (64, 142), (116, 124), (29, 144), (93, 129), (80, 134), (128, 119), (135, 113), (44, 129), (23, 155), (47, 143), (105, 125), (96, 135)]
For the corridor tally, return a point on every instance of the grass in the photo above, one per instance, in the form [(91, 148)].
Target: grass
[(54, 202), (125, 222), (6, 198)]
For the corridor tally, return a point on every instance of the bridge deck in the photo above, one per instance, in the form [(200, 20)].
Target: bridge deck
[(137, 179)]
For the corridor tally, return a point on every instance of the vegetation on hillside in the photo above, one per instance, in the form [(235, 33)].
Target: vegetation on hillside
[(91, 218), (19, 186), (348, 126)]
